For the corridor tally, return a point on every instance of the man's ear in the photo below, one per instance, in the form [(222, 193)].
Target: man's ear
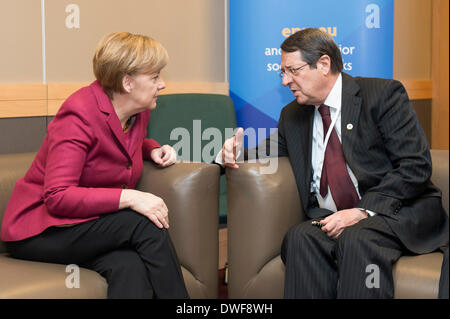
[(127, 83), (324, 64)]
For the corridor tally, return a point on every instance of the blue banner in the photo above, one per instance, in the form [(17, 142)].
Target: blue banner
[(363, 30)]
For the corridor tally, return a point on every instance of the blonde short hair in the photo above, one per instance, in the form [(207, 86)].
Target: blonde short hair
[(122, 53)]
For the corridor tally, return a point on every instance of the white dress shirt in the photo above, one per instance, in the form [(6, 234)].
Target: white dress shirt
[(334, 101)]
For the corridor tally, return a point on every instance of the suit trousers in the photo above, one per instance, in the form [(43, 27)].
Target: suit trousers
[(358, 264), (137, 258)]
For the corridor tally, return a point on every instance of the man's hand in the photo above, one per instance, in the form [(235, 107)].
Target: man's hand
[(336, 223), (231, 147), (164, 156)]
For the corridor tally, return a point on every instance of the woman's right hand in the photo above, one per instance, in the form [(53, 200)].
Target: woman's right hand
[(146, 204)]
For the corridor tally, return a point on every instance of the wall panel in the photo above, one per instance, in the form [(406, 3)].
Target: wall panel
[(191, 31), (412, 39), (22, 135), (20, 34), (23, 100), (440, 76)]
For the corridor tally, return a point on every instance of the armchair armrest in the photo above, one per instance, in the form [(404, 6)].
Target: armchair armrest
[(261, 209), (191, 193), (440, 174)]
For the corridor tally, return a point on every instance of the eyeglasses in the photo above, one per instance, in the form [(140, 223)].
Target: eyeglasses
[(291, 71)]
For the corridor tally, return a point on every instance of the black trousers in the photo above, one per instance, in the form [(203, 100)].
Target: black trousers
[(358, 264), (137, 258)]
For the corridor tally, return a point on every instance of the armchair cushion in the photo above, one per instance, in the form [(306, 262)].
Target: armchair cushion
[(12, 167)]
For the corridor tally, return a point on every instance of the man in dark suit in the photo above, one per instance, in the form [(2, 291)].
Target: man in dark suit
[(362, 166)]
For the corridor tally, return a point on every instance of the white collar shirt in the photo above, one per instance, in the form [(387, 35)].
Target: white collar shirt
[(334, 101)]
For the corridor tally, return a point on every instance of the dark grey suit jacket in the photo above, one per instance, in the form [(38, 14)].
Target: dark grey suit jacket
[(387, 151)]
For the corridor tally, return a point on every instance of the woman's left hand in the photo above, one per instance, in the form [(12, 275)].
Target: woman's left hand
[(164, 156)]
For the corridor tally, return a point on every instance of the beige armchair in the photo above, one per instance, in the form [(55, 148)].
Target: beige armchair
[(261, 209), (190, 191)]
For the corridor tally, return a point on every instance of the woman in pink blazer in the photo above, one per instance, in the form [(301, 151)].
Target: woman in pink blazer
[(77, 203)]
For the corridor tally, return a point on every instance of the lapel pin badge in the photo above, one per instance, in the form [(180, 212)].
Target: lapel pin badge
[(349, 126)]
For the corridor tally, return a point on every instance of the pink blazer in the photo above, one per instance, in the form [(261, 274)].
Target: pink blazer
[(81, 168)]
